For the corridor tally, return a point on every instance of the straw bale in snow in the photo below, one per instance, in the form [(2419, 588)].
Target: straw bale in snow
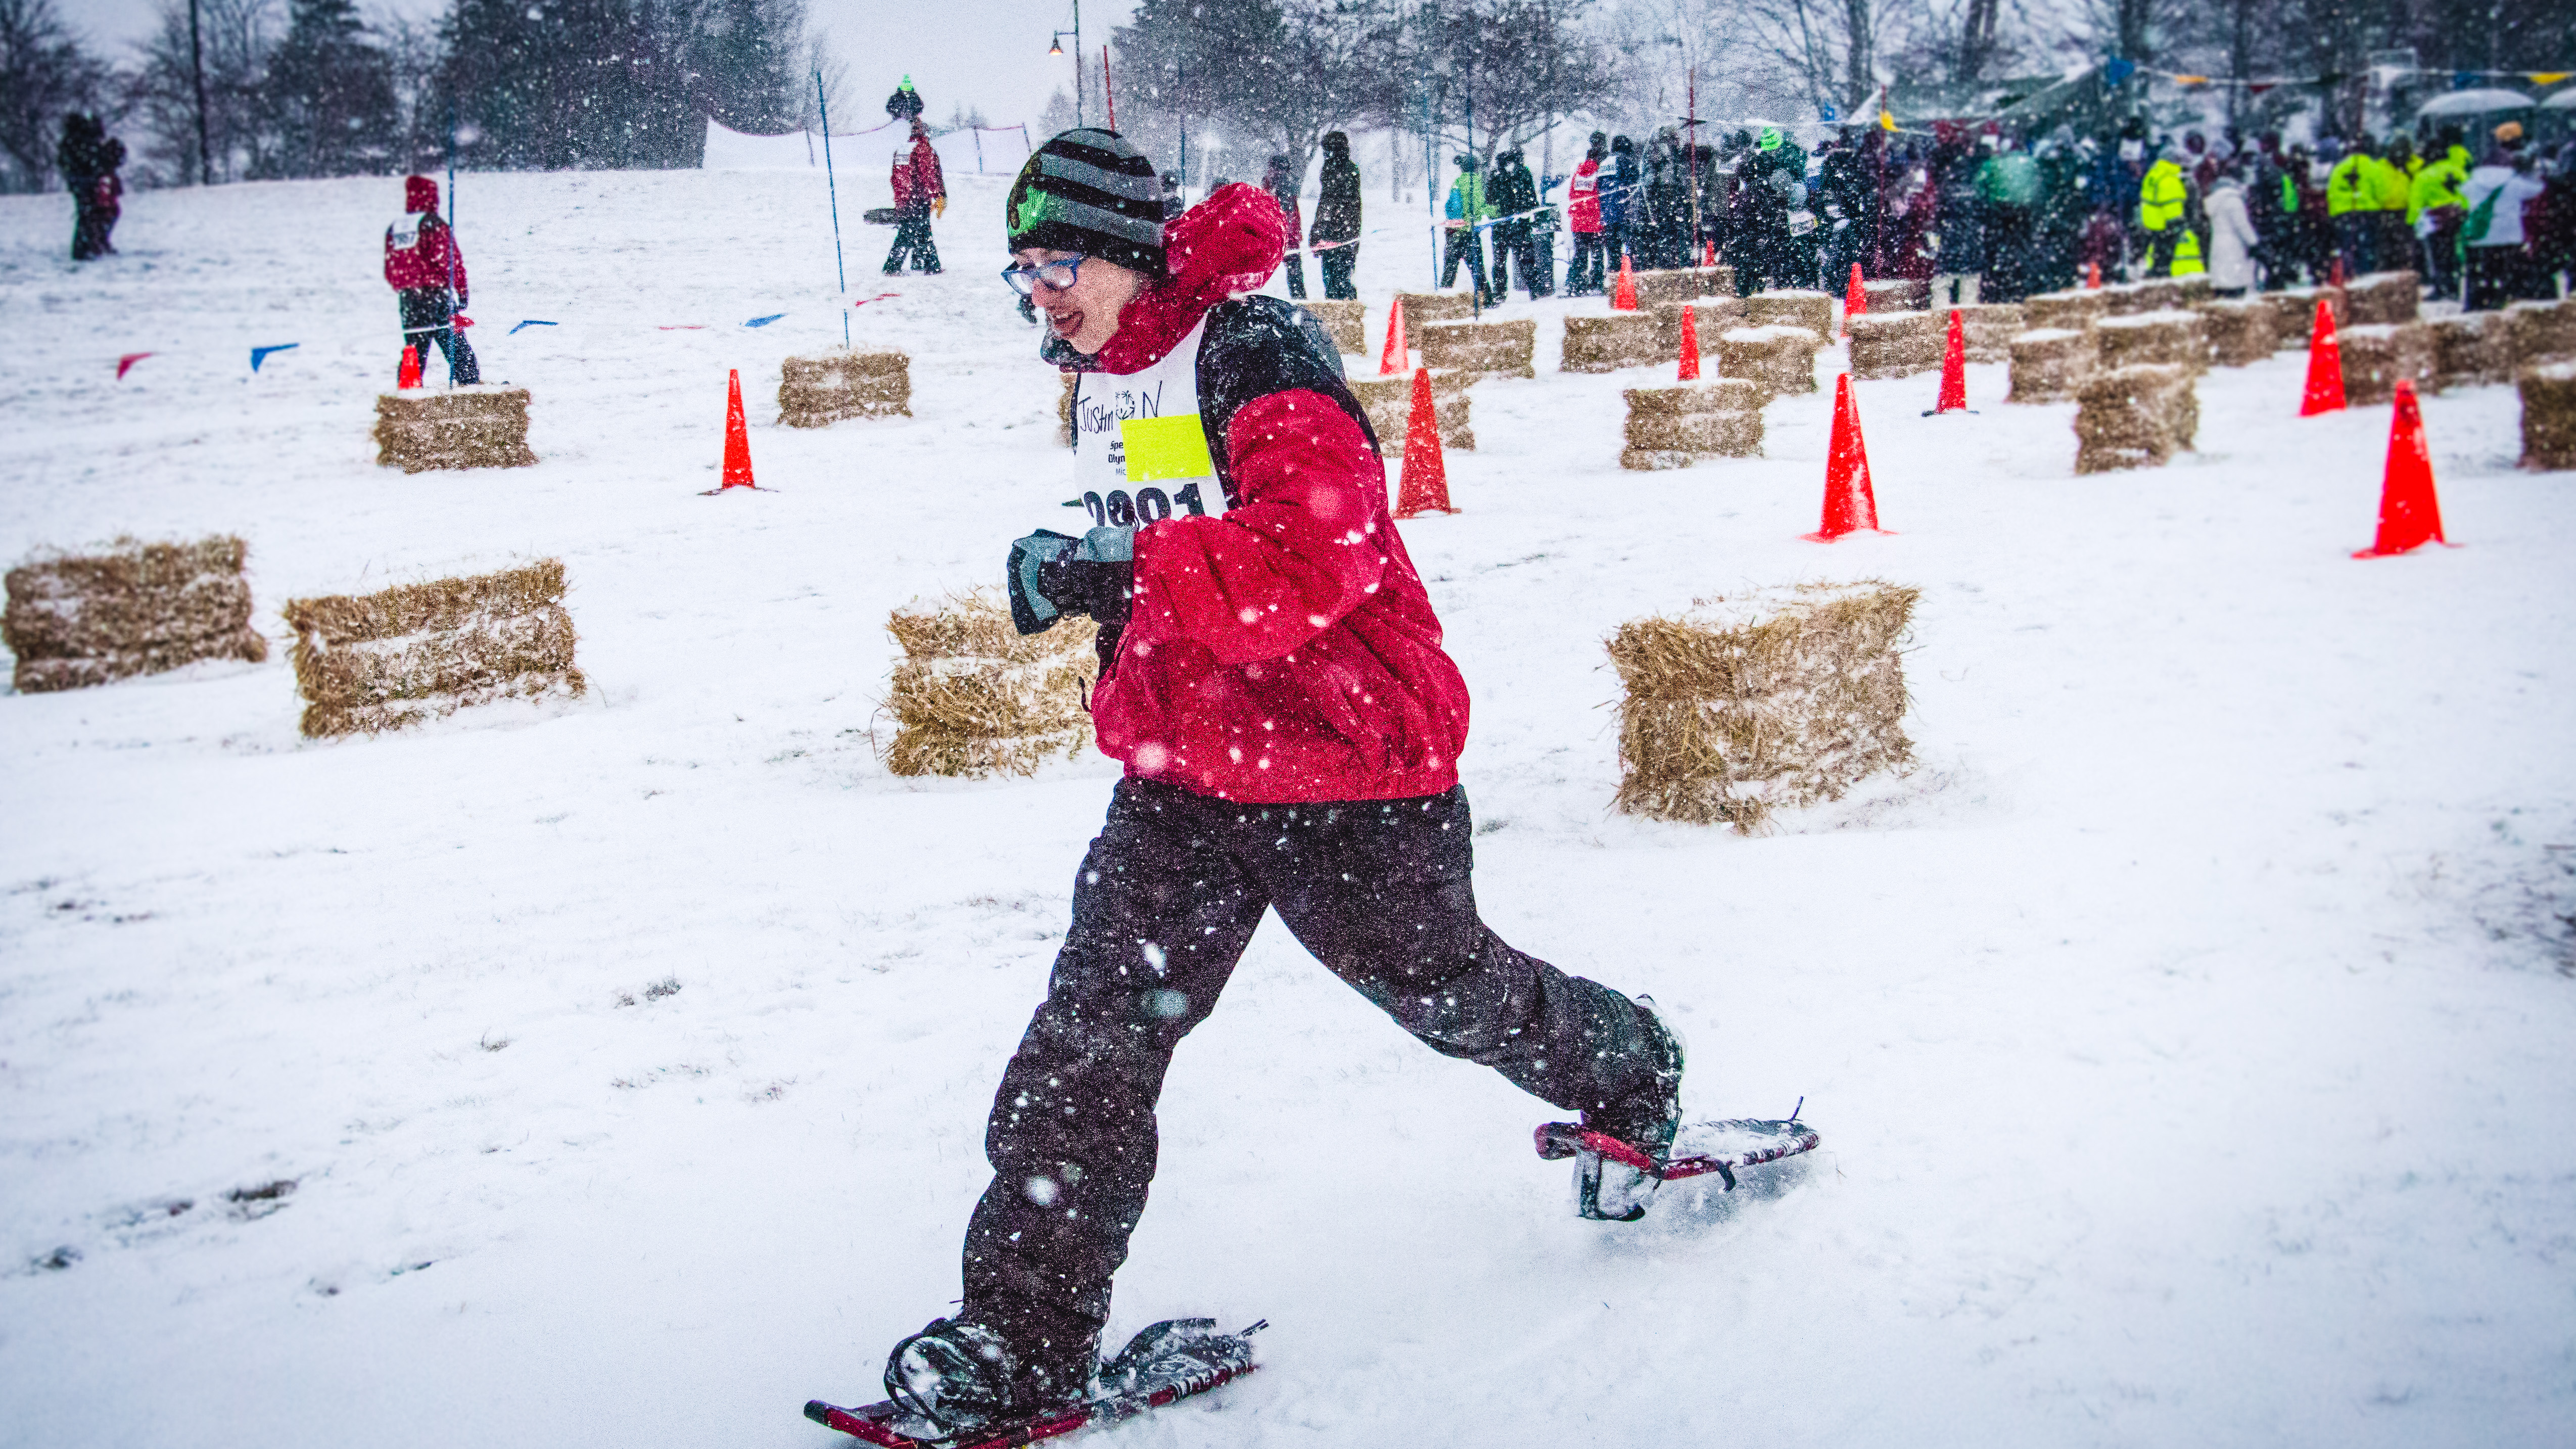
[(2129, 299), (2375, 357), (2383, 299), (1675, 427), (2549, 415), (1772, 700), (1609, 341), (1897, 294), (2178, 339), (77, 620), (2239, 330), (1388, 401), (974, 697), (2075, 310), (1421, 307), (413, 652), (2049, 364), (1988, 328), (2134, 417), (2542, 332), (1895, 344), (1664, 285), (868, 382), (2294, 313), (1811, 310), (478, 426), (2471, 349), (1506, 349), (1709, 317), (1346, 322)]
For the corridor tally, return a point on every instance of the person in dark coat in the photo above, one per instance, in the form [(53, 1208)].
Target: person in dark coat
[(1283, 183), (427, 272), (1775, 176), (88, 158), (1514, 197), (920, 192), (1847, 211), (1336, 235), (1621, 209)]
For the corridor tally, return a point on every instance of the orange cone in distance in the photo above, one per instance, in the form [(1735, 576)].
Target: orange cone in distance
[(1426, 473), (1954, 369), (2325, 367), (1391, 362), (407, 375), (2334, 274), (2093, 276), (1623, 297), (2409, 513), (1855, 299), (1850, 505), (1690, 345), (1708, 252), (737, 447)]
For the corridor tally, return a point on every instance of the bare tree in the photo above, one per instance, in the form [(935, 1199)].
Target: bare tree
[(1830, 46), (44, 72), (237, 38), (1275, 73)]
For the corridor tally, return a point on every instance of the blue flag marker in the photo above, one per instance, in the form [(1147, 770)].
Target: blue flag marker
[(2116, 70), (764, 321), (531, 322), (259, 355)]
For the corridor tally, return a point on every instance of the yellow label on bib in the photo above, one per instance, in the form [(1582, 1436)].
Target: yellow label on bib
[(1157, 448)]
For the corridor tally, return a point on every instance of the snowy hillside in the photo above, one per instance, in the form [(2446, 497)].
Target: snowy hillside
[(2189, 1033)]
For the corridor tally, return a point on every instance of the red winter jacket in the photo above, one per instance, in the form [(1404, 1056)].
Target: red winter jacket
[(1583, 198), (917, 179), (1284, 650), (420, 249)]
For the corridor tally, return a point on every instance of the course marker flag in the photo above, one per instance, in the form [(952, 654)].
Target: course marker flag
[(259, 355), (531, 322), (127, 361), (764, 321)]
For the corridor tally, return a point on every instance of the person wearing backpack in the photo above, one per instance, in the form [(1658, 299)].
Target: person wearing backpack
[(2492, 247), (427, 273)]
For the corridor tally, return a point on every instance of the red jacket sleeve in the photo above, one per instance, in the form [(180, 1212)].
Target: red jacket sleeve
[(1303, 549)]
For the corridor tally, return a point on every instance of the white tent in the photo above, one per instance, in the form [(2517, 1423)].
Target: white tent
[(2475, 103)]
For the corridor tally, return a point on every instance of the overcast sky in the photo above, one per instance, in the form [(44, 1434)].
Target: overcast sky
[(988, 53)]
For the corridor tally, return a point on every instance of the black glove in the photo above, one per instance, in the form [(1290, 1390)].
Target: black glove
[(1052, 575)]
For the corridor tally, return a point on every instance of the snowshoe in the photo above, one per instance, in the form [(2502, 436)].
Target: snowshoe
[(1615, 1179), (1170, 1361), (1617, 1187)]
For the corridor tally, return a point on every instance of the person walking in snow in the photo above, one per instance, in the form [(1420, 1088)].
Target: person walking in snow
[(2233, 241), (426, 269), (920, 193), (1515, 199), (1336, 235), (1584, 274), (2493, 242), (1467, 212), (1283, 184), (1273, 679), (88, 159)]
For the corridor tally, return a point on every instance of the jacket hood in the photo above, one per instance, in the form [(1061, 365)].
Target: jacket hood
[(420, 194), (1225, 245)]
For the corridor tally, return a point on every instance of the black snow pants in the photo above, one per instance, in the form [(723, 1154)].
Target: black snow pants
[(1466, 243), (1165, 901), (426, 318), (912, 236), (1337, 264)]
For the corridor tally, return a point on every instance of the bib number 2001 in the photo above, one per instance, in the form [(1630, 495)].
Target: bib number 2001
[(1150, 505)]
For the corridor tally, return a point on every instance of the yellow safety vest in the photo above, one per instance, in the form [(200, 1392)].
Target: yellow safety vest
[(2160, 204)]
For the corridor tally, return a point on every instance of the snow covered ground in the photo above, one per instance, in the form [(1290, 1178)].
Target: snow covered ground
[(2189, 1033)]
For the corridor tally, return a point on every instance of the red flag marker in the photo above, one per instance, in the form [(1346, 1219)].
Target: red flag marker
[(2409, 513), (127, 361)]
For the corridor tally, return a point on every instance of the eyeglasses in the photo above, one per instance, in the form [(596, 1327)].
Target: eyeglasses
[(1060, 275)]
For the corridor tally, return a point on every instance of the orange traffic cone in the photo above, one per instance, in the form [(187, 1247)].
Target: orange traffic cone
[(2409, 514), (2093, 276), (1391, 362), (1954, 370), (1623, 297), (1708, 252), (407, 375), (1849, 503), (1855, 299), (1690, 345), (2334, 274), (2325, 367), (1426, 474), (737, 449)]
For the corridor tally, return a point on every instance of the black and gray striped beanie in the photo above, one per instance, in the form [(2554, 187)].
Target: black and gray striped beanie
[(1089, 191)]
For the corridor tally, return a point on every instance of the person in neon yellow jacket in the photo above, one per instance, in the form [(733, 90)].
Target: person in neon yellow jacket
[(2435, 208), (2166, 213), (2352, 208), (2392, 180)]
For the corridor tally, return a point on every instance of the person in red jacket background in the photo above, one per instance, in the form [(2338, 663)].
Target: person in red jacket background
[(427, 273), (1585, 274), (1273, 679), (920, 192)]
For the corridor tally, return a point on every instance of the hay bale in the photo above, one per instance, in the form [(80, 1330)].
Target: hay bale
[(2129, 299), (2383, 299), (79, 620), (2471, 349), (413, 652), (1773, 700), (1709, 317), (1811, 310), (2077, 310), (1776, 360), (815, 392), (2548, 415), (1675, 427), (2135, 417), (1345, 321), (465, 427), (1666, 285), (1608, 341), (974, 697), (1989, 328), (2239, 330), (2049, 364), (1896, 344), (2197, 289), (1897, 294), (2541, 332), (1508, 349), (1388, 401), (2152, 339), (1421, 307), (2294, 313), (2374, 358)]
